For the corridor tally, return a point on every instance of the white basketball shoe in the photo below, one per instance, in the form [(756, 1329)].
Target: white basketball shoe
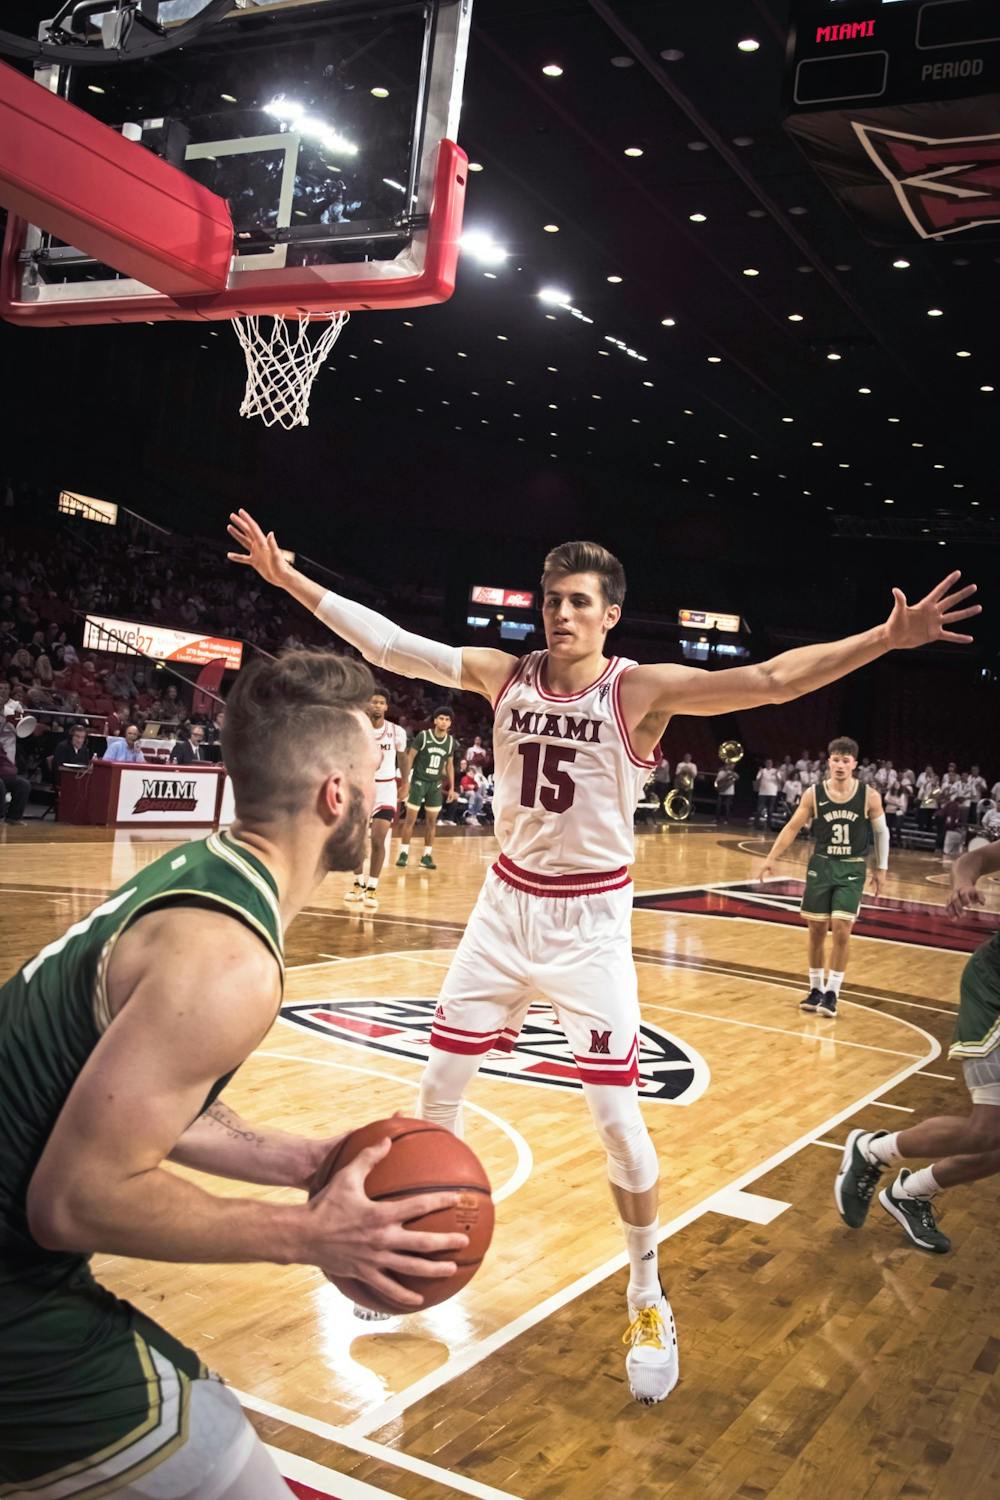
[(652, 1364)]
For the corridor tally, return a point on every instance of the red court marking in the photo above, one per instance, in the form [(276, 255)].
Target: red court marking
[(306, 1491), (349, 1023), (554, 1070)]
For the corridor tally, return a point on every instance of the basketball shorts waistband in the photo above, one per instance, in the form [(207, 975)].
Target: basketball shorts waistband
[(586, 883)]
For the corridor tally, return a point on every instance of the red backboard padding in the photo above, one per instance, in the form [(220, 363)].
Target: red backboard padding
[(92, 188)]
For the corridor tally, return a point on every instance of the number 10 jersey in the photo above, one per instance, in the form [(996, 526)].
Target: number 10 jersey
[(567, 777)]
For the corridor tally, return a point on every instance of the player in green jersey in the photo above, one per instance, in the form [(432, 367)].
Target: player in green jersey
[(964, 1148), (116, 1041), (847, 819), (430, 759)]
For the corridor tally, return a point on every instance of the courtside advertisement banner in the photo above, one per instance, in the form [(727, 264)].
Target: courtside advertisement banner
[(127, 638), (482, 593), (167, 794)]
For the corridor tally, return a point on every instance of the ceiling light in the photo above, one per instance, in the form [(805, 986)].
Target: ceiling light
[(688, 412), (672, 323), (648, 383), (833, 355), (483, 247), (552, 70), (475, 166), (95, 88), (750, 271), (901, 265), (633, 151), (697, 145), (552, 369), (864, 390), (795, 317), (887, 501), (554, 296), (229, 98), (892, 419), (697, 218), (742, 140), (963, 353), (935, 312), (939, 466), (615, 280), (292, 113), (987, 387), (502, 337), (916, 445), (788, 419), (623, 62), (551, 228), (749, 44), (798, 210), (407, 323), (817, 444), (714, 359), (671, 54), (380, 93)]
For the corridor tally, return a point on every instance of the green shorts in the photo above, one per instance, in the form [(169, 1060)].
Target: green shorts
[(92, 1392), (833, 888), (977, 1028), (425, 794)]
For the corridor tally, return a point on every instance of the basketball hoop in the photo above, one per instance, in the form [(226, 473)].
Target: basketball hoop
[(283, 363)]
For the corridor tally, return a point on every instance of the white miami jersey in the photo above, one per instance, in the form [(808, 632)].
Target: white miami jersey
[(391, 741), (567, 777)]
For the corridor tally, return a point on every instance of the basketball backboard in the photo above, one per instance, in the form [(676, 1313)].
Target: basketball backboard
[(328, 126)]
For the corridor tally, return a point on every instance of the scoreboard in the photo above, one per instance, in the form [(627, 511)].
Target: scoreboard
[(847, 53)]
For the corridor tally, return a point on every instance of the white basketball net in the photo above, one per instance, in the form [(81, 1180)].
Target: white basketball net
[(282, 364)]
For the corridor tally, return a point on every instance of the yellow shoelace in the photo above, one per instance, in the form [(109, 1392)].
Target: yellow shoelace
[(646, 1329)]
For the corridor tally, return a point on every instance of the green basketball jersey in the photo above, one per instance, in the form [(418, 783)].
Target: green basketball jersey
[(55, 1010), (841, 829), (433, 756)]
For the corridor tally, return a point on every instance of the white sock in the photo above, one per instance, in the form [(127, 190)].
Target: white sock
[(404, 848), (815, 979), (882, 1148), (373, 882), (922, 1184), (644, 1272), (834, 980), (360, 882)]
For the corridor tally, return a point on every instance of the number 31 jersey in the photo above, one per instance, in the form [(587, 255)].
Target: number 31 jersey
[(567, 778)]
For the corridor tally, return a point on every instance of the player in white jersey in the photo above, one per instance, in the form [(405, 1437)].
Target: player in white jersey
[(390, 740), (574, 737)]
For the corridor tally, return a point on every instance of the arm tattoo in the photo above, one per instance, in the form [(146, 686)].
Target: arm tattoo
[(231, 1123)]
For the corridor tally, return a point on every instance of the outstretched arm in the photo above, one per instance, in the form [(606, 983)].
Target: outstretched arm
[(380, 642), (667, 689), (800, 817)]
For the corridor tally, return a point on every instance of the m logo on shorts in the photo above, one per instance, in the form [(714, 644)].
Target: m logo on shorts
[(600, 1042)]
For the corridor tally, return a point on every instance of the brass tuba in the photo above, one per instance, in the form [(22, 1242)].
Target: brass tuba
[(730, 752), (678, 803)]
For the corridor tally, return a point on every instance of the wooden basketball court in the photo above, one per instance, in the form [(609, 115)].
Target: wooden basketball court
[(814, 1360)]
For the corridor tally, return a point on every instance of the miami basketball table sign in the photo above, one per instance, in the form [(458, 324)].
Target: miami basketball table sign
[(189, 160)]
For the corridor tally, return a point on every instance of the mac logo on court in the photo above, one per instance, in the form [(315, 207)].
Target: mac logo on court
[(669, 1069)]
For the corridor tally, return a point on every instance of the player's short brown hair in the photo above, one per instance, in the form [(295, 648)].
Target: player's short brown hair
[(587, 557), (289, 723), (843, 745)]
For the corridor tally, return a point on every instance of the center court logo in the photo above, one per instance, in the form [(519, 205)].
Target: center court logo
[(163, 794), (669, 1069)]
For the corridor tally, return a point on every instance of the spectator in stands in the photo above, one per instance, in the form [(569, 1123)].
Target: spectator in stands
[(792, 790), (126, 748), (18, 786), (659, 783), (866, 772), (471, 784), (975, 786), (725, 791), (950, 781), (686, 772), (169, 709), (11, 709), (952, 824), (118, 684), (991, 820), (190, 748), (885, 775), (929, 796), (766, 786), (895, 802), (72, 751), (803, 763), (477, 753)]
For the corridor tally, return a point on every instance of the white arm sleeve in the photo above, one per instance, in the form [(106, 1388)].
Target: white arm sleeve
[(880, 834), (386, 645)]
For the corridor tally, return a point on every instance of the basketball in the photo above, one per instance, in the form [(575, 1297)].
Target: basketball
[(423, 1158)]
